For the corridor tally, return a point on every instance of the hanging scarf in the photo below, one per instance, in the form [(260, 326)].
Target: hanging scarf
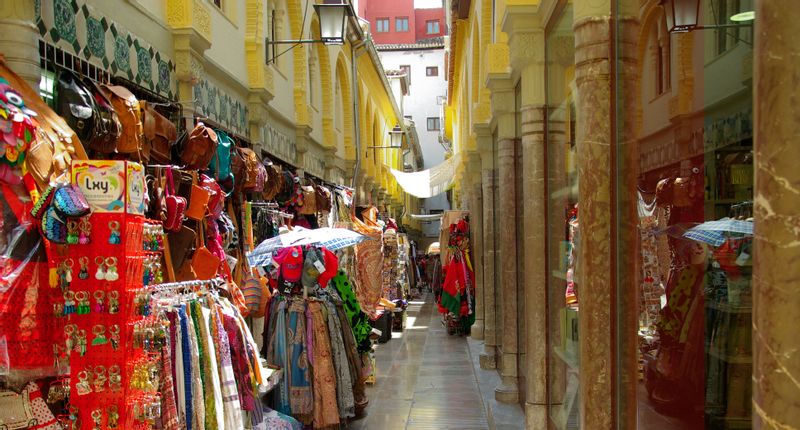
[(230, 396), (278, 356), (344, 386), (203, 358), (169, 412), (301, 398), (326, 410)]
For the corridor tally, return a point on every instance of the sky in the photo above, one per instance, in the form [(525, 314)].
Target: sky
[(427, 4)]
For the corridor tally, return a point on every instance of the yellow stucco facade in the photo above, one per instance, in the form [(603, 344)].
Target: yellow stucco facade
[(296, 105)]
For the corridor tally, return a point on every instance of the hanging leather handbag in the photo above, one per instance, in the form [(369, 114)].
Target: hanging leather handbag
[(309, 206), (220, 164), (69, 201), (159, 132), (274, 181), (181, 243), (74, 102), (200, 147), (323, 198), (251, 163), (175, 205), (198, 203), (131, 141), (107, 128), (204, 263)]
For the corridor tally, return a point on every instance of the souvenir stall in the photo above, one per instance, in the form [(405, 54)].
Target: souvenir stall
[(457, 300), (126, 298)]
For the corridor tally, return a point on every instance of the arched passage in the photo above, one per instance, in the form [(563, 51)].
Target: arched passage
[(300, 65), (343, 78), (326, 82)]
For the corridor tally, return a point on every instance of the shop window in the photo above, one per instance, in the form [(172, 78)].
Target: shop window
[(382, 25), (721, 10), (685, 293), (433, 124), (432, 71), (407, 70), (562, 225), (47, 87), (432, 26), (401, 24), (659, 42), (440, 100)]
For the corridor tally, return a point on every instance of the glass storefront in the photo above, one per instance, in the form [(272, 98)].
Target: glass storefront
[(685, 169), (562, 224)]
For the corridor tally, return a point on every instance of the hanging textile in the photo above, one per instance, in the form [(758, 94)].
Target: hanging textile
[(369, 260)]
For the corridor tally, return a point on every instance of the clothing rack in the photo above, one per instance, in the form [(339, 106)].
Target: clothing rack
[(190, 285)]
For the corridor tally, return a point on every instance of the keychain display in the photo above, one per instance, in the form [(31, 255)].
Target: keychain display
[(114, 238)]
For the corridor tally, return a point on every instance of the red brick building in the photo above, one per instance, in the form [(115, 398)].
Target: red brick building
[(398, 22)]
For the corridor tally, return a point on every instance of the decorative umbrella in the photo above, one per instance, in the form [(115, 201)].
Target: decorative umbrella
[(716, 232), (331, 238)]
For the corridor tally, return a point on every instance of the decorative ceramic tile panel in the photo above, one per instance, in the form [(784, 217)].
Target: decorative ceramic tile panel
[(79, 29), (279, 144), (220, 107)]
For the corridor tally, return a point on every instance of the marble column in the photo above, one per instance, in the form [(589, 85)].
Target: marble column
[(776, 273), (593, 138), (533, 156), (476, 233), (508, 390), (20, 41), (488, 359)]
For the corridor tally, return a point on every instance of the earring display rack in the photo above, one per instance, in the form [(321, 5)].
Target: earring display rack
[(105, 358)]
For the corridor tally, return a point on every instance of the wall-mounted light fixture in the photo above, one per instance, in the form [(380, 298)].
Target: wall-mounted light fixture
[(332, 27), (684, 16), (395, 139)]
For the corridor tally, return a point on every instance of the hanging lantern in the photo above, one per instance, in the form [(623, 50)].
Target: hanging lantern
[(682, 15)]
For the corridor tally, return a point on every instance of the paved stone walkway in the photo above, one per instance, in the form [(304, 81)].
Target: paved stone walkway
[(425, 379)]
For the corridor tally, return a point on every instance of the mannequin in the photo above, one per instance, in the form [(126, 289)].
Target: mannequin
[(676, 375)]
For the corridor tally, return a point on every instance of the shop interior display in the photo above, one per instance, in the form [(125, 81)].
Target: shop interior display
[(695, 301), (127, 296)]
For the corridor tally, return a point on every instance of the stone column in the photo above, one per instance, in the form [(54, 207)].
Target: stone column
[(594, 145), (476, 233), (503, 109), (508, 391), (488, 358), (20, 41), (776, 346)]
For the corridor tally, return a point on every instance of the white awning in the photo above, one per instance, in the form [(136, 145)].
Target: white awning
[(427, 217), (429, 182)]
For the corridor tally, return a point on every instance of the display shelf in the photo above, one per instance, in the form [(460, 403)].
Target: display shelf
[(730, 309), (733, 359), (570, 360)]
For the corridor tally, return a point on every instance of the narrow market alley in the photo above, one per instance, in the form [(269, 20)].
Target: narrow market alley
[(425, 378)]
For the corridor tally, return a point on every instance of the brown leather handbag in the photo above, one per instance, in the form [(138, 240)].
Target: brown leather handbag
[(200, 147), (198, 203), (309, 200), (131, 140), (159, 132), (323, 198), (251, 163), (204, 263)]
